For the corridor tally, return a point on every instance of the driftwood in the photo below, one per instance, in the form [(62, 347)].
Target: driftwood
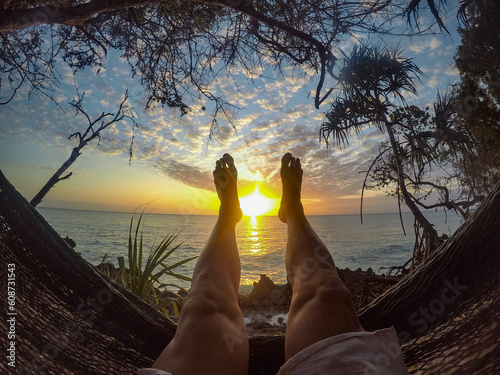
[(73, 320)]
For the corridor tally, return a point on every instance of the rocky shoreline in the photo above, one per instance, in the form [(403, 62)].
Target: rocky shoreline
[(265, 309)]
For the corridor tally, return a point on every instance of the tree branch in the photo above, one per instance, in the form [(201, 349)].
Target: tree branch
[(11, 20), (65, 177), (366, 178)]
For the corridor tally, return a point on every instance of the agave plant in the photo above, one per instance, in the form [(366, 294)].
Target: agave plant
[(144, 275)]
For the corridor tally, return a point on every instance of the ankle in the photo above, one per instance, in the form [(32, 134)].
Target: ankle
[(294, 211), (229, 215)]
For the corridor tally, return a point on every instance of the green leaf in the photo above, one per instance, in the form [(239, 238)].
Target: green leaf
[(144, 276)]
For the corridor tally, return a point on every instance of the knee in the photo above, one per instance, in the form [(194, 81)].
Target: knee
[(334, 289), (210, 296), (325, 286)]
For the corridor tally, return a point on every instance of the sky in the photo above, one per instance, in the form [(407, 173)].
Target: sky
[(173, 157)]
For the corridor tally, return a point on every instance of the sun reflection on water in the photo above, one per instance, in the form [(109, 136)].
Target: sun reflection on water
[(254, 235)]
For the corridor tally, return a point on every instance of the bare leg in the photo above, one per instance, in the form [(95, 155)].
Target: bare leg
[(211, 337), (321, 304)]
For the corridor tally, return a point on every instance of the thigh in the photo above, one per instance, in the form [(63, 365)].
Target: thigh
[(211, 339), (321, 307)]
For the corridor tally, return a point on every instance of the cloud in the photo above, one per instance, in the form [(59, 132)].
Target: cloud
[(277, 115), (452, 71), (433, 82), (186, 174), (426, 45), (434, 43)]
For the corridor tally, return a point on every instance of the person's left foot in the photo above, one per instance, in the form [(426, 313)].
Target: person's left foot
[(225, 178)]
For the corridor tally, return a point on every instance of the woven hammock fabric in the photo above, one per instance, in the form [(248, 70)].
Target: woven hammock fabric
[(73, 320)]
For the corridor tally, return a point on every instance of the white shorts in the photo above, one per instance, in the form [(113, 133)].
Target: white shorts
[(152, 371), (359, 353)]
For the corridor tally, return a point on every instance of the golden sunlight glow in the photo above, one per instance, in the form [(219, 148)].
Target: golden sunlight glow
[(256, 204), (253, 235)]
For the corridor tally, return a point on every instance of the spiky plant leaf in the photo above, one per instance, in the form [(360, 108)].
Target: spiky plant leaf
[(144, 275), (369, 79)]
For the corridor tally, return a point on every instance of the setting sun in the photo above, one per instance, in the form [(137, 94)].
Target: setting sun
[(256, 204)]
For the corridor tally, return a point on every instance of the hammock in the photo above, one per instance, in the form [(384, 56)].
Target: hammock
[(71, 319)]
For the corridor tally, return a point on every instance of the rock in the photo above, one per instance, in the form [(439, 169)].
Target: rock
[(70, 242), (267, 296)]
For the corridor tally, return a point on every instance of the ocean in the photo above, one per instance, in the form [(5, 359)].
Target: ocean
[(378, 242)]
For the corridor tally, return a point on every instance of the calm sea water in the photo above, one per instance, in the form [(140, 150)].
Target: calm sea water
[(378, 242)]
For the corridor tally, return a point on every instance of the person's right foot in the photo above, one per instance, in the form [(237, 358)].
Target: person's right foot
[(291, 179)]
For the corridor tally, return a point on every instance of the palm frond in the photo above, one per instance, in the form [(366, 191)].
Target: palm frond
[(369, 78), (412, 11)]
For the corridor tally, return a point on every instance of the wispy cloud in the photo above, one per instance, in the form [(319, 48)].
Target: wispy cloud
[(274, 115), (186, 174)]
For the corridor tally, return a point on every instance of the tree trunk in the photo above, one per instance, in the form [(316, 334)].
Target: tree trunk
[(56, 177), (428, 242)]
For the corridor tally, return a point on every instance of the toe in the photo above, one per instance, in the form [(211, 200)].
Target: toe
[(228, 159), (285, 160)]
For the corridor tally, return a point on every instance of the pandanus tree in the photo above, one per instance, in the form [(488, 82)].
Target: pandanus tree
[(372, 81), (447, 159)]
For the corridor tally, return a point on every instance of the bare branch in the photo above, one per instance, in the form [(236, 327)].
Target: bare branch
[(65, 177), (366, 178), (83, 139)]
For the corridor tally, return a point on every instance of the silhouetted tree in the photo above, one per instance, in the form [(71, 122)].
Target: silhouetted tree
[(93, 131), (445, 159), (438, 9), (453, 151), (179, 48), (368, 80), (431, 148), (478, 92)]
